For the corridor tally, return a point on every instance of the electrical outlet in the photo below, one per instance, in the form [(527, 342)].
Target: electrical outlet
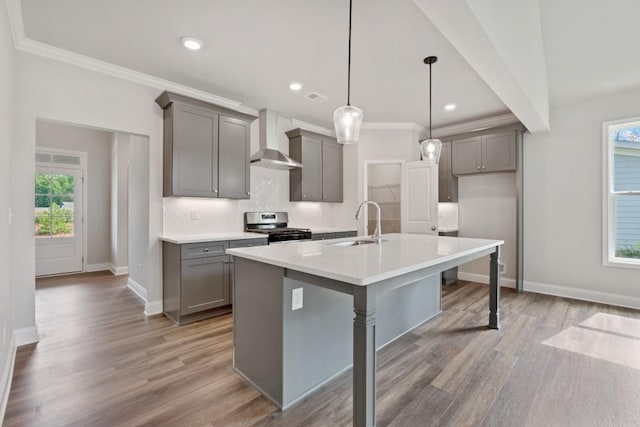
[(503, 268), (296, 299), (194, 215)]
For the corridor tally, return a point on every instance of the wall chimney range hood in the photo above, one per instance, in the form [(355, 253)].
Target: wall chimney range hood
[(269, 156)]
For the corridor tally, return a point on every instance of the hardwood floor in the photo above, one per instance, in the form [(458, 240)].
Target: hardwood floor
[(101, 362)]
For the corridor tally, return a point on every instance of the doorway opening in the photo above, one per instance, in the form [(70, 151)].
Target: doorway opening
[(382, 185), (59, 212)]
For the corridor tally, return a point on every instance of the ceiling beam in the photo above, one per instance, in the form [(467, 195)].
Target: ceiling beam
[(502, 41)]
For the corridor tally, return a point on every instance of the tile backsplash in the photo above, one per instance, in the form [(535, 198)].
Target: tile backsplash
[(270, 192)]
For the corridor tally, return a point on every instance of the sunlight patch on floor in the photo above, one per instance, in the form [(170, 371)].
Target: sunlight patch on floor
[(603, 336)]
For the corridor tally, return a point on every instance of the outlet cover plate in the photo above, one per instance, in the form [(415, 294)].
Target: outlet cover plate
[(296, 299)]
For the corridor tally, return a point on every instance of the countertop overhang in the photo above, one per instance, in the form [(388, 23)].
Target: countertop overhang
[(217, 237), (367, 264)]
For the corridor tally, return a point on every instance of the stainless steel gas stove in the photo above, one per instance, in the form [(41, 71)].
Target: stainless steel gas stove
[(274, 224)]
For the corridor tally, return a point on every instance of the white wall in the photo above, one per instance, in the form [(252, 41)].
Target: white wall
[(6, 136), (55, 91), (119, 202), (487, 209), (563, 204), (97, 145), (138, 213)]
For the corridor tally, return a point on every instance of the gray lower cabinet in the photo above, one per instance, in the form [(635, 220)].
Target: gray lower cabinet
[(494, 152), (320, 178), (197, 279), (206, 149), (447, 182), (338, 235)]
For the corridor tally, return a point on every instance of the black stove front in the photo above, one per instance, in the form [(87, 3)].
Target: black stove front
[(274, 224)]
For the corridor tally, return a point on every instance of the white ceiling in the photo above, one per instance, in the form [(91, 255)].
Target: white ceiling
[(254, 48), (591, 46)]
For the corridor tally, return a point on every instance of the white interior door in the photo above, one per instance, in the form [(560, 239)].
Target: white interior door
[(419, 200), (58, 220)]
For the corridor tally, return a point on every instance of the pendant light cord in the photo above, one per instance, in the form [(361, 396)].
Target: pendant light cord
[(349, 61), (430, 109)]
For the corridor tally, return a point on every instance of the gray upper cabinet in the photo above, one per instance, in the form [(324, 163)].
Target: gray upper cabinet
[(466, 155), (447, 183), (233, 171), (494, 152), (331, 171), (320, 178), (499, 152), (206, 149)]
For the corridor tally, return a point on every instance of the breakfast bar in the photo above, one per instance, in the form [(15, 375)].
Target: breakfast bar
[(293, 325)]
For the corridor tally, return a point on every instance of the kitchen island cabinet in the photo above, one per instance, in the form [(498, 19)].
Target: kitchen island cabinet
[(288, 350)]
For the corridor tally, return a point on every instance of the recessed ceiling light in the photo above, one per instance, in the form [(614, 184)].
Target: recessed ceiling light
[(450, 107), (295, 86), (191, 43)]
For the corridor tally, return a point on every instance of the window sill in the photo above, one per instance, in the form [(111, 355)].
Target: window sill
[(623, 263)]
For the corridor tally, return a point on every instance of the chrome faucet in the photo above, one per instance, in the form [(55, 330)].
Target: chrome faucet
[(376, 234)]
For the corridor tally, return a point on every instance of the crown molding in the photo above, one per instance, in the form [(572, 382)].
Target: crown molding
[(21, 42), (475, 125), (16, 22), (313, 128), (394, 126)]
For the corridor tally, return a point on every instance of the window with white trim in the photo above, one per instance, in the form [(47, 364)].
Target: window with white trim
[(622, 192)]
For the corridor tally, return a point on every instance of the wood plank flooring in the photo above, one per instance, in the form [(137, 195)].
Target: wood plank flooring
[(101, 362)]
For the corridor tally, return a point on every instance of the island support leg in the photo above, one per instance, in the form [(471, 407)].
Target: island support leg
[(364, 356), (494, 290)]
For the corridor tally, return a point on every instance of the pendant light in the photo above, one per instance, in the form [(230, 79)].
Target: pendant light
[(430, 148), (348, 119)]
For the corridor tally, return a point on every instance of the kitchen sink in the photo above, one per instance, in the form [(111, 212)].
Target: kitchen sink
[(354, 242)]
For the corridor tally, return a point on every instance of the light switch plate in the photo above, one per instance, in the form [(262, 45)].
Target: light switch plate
[(296, 299)]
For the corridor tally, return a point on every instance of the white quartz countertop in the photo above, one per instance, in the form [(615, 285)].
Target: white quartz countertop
[(198, 238), (363, 265), (331, 230)]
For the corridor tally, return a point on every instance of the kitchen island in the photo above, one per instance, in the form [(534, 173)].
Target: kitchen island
[(392, 287)]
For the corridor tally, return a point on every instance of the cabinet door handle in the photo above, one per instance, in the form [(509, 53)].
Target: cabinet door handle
[(478, 167), (248, 193), (215, 190), (484, 167), (205, 250), (304, 196)]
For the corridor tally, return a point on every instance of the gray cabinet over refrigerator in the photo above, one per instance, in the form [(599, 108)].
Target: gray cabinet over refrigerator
[(206, 149), (495, 152), (320, 178)]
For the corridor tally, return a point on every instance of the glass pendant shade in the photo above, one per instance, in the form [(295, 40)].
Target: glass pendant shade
[(347, 121), (430, 149)]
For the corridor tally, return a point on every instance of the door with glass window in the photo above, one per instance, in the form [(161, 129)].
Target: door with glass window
[(58, 220)]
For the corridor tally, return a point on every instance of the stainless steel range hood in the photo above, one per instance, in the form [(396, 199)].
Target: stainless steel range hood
[(269, 156)]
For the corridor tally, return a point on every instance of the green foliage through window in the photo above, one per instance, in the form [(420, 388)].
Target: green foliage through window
[(629, 251), (51, 188), (54, 221)]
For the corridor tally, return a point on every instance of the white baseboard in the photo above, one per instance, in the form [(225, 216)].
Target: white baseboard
[(153, 307), (26, 336), (119, 271), (7, 376), (583, 294), (150, 307), (97, 267), (481, 278), (137, 288)]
